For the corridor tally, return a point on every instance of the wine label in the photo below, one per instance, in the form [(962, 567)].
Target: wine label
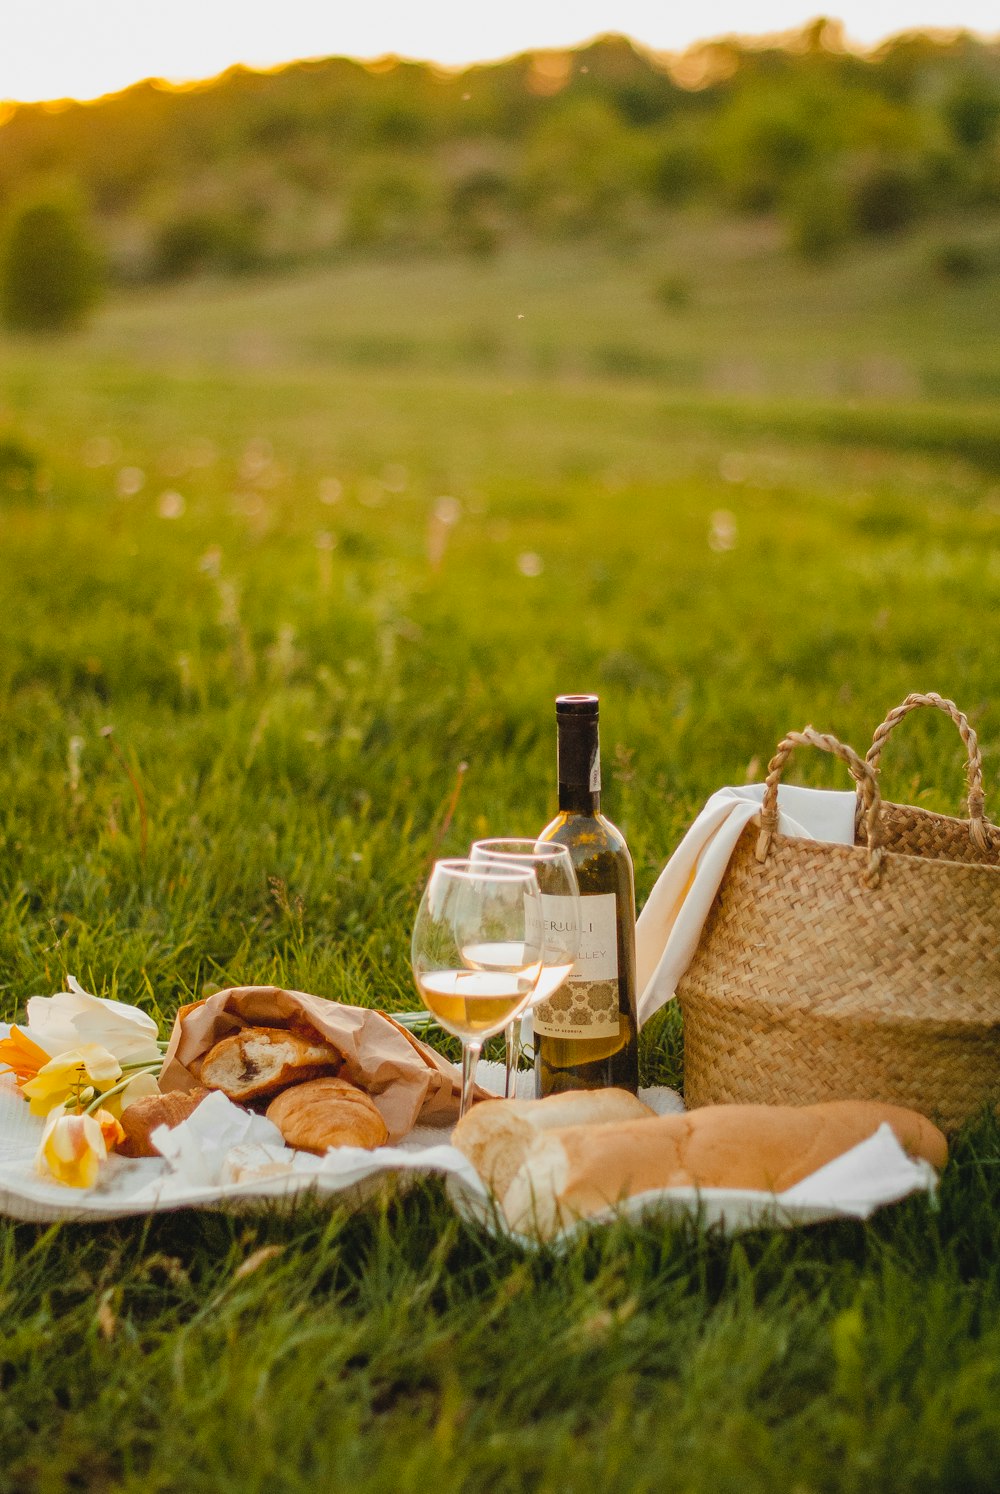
[(587, 1005), (534, 930)]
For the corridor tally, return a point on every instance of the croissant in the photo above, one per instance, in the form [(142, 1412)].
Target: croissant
[(327, 1112), (259, 1061)]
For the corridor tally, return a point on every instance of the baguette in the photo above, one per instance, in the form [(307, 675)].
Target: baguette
[(259, 1062), (495, 1134), (582, 1170)]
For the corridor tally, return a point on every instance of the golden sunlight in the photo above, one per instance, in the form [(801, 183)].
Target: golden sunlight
[(60, 49)]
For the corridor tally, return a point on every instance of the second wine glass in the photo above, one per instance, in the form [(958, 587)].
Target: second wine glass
[(560, 903)]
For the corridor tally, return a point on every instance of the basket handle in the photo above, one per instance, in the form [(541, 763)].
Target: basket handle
[(867, 788), (973, 766)]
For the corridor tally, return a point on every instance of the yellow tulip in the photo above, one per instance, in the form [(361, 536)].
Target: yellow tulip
[(89, 1067), (72, 1149)]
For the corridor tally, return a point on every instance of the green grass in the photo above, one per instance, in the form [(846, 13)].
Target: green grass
[(295, 685)]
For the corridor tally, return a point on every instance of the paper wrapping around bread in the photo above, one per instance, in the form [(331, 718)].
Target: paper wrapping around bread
[(408, 1081), (582, 1170)]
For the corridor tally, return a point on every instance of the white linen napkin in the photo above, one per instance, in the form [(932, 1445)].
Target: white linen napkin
[(670, 924), (873, 1173), (197, 1148)]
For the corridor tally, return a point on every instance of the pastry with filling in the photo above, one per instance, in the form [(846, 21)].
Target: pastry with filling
[(259, 1062)]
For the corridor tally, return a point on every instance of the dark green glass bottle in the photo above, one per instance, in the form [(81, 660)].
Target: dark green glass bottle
[(586, 1033)]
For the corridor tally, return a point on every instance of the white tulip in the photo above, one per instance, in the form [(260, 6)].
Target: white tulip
[(60, 1023)]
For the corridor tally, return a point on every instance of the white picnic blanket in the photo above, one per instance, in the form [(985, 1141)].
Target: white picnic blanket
[(670, 925), (875, 1173)]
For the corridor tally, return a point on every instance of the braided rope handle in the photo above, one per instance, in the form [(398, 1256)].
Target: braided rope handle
[(867, 788), (974, 761)]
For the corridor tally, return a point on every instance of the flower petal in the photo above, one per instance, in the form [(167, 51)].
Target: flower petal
[(111, 1129), (88, 1066), (139, 1088), (72, 1017), (21, 1056), (72, 1149)]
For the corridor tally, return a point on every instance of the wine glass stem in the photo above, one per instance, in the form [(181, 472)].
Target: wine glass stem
[(470, 1057), (510, 1076)]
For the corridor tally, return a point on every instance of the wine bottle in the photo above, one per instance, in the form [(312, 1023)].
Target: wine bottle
[(586, 1033)]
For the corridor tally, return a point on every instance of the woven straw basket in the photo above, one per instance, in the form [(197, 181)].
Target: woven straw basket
[(872, 971)]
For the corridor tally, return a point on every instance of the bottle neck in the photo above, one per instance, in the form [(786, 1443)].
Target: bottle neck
[(579, 753), (576, 800)]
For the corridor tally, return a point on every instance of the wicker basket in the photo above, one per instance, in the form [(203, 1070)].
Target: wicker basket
[(919, 832), (847, 972)]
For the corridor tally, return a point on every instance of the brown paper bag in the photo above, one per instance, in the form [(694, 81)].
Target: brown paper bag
[(408, 1081)]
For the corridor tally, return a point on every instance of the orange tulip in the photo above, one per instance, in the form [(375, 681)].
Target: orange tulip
[(111, 1128), (21, 1056)]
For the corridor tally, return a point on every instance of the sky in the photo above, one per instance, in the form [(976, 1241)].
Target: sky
[(83, 48)]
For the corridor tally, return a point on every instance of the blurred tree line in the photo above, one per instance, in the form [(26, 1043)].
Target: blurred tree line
[(264, 170)]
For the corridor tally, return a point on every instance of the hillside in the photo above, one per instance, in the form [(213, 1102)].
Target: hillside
[(326, 159)]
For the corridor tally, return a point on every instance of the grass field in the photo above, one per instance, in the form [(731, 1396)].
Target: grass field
[(222, 534)]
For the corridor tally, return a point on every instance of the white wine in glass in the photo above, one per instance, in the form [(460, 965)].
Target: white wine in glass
[(553, 867), (477, 952)]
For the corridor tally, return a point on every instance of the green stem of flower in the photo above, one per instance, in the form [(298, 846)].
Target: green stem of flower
[(116, 1089)]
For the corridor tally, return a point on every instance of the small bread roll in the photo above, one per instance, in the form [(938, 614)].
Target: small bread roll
[(255, 1162), (140, 1119), (583, 1170), (260, 1061), (327, 1112), (496, 1134)]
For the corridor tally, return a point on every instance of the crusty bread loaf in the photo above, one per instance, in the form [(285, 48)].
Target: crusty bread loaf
[(495, 1134), (140, 1119), (261, 1061), (327, 1112), (580, 1171)]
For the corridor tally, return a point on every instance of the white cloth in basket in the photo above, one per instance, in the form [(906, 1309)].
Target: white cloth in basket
[(670, 924)]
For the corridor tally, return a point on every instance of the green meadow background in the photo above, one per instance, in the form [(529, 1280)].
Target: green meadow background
[(291, 568)]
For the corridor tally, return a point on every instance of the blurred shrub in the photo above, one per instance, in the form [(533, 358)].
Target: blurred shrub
[(479, 204), (819, 217), (229, 241), (673, 292), (18, 463), (50, 270), (972, 110), (676, 166), (629, 361), (580, 169), (959, 260), (885, 195), (389, 203), (760, 140)]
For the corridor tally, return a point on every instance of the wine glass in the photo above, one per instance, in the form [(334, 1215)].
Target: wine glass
[(560, 892), (477, 951)]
